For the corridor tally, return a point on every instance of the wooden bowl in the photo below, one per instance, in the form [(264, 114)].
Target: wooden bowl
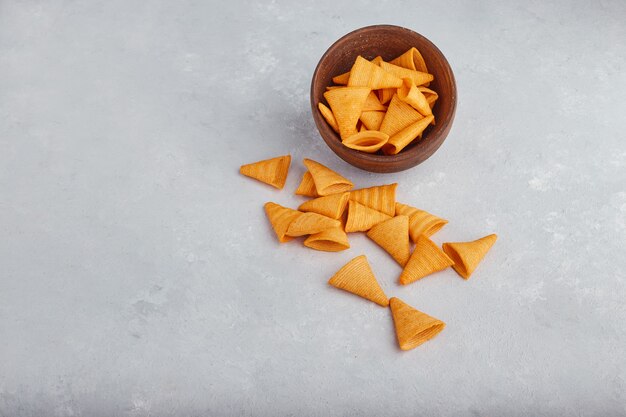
[(389, 42)]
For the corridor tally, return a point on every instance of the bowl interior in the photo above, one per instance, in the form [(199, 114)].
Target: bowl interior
[(388, 42)]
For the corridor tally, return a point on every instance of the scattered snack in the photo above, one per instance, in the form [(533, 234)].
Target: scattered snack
[(357, 277), (311, 223), (330, 240), (362, 218), (393, 236), (420, 221), (270, 171), (426, 259), (280, 218), (331, 206), (381, 198), (307, 186), (467, 255), (326, 180), (412, 326)]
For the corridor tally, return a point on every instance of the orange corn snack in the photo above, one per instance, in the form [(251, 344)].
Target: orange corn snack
[(393, 236), (361, 218), (307, 186), (311, 223), (418, 77), (280, 218), (411, 95), (467, 255), (399, 115), (412, 326), (420, 222), (342, 79), (431, 95), (357, 277), (328, 116), (270, 171), (372, 103), (346, 104), (426, 259), (403, 138), (386, 94), (366, 74), (372, 119), (326, 180), (411, 59), (330, 240), (381, 198), (331, 206), (366, 141)]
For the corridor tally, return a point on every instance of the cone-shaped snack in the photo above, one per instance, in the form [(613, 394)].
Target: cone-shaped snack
[(328, 115), (431, 95), (330, 240), (362, 218), (311, 223), (467, 255), (307, 186), (331, 206), (280, 218), (270, 171), (346, 104), (399, 115), (367, 141), (393, 236), (332, 87), (381, 198), (366, 74), (425, 259), (342, 79), (420, 222), (411, 95), (372, 103), (386, 94), (357, 277), (419, 78), (326, 180), (411, 59), (372, 119), (412, 326), (404, 137)]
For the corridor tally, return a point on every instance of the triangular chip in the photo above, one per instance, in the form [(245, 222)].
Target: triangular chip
[(328, 116), (386, 94), (411, 59), (270, 171), (412, 96), (346, 104), (407, 135), (357, 277), (330, 240), (372, 103), (393, 236), (381, 198), (372, 119), (366, 74), (280, 218), (326, 180), (418, 77), (331, 206), (342, 79), (467, 255), (420, 222), (307, 186), (426, 258), (412, 326), (399, 115), (362, 218), (311, 223), (366, 141)]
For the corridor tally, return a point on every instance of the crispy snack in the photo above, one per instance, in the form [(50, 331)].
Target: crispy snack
[(307, 186), (270, 171), (330, 240), (418, 77), (426, 259), (399, 116), (362, 218), (411, 95), (368, 141), (420, 222), (403, 138), (412, 326), (346, 104), (357, 277), (343, 79), (411, 59), (367, 74), (372, 119), (331, 206), (381, 198), (328, 116), (280, 218), (311, 223), (467, 255), (393, 236), (386, 94), (431, 95), (326, 180), (372, 103)]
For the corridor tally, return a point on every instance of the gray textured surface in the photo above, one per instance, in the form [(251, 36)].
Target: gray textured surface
[(138, 274)]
